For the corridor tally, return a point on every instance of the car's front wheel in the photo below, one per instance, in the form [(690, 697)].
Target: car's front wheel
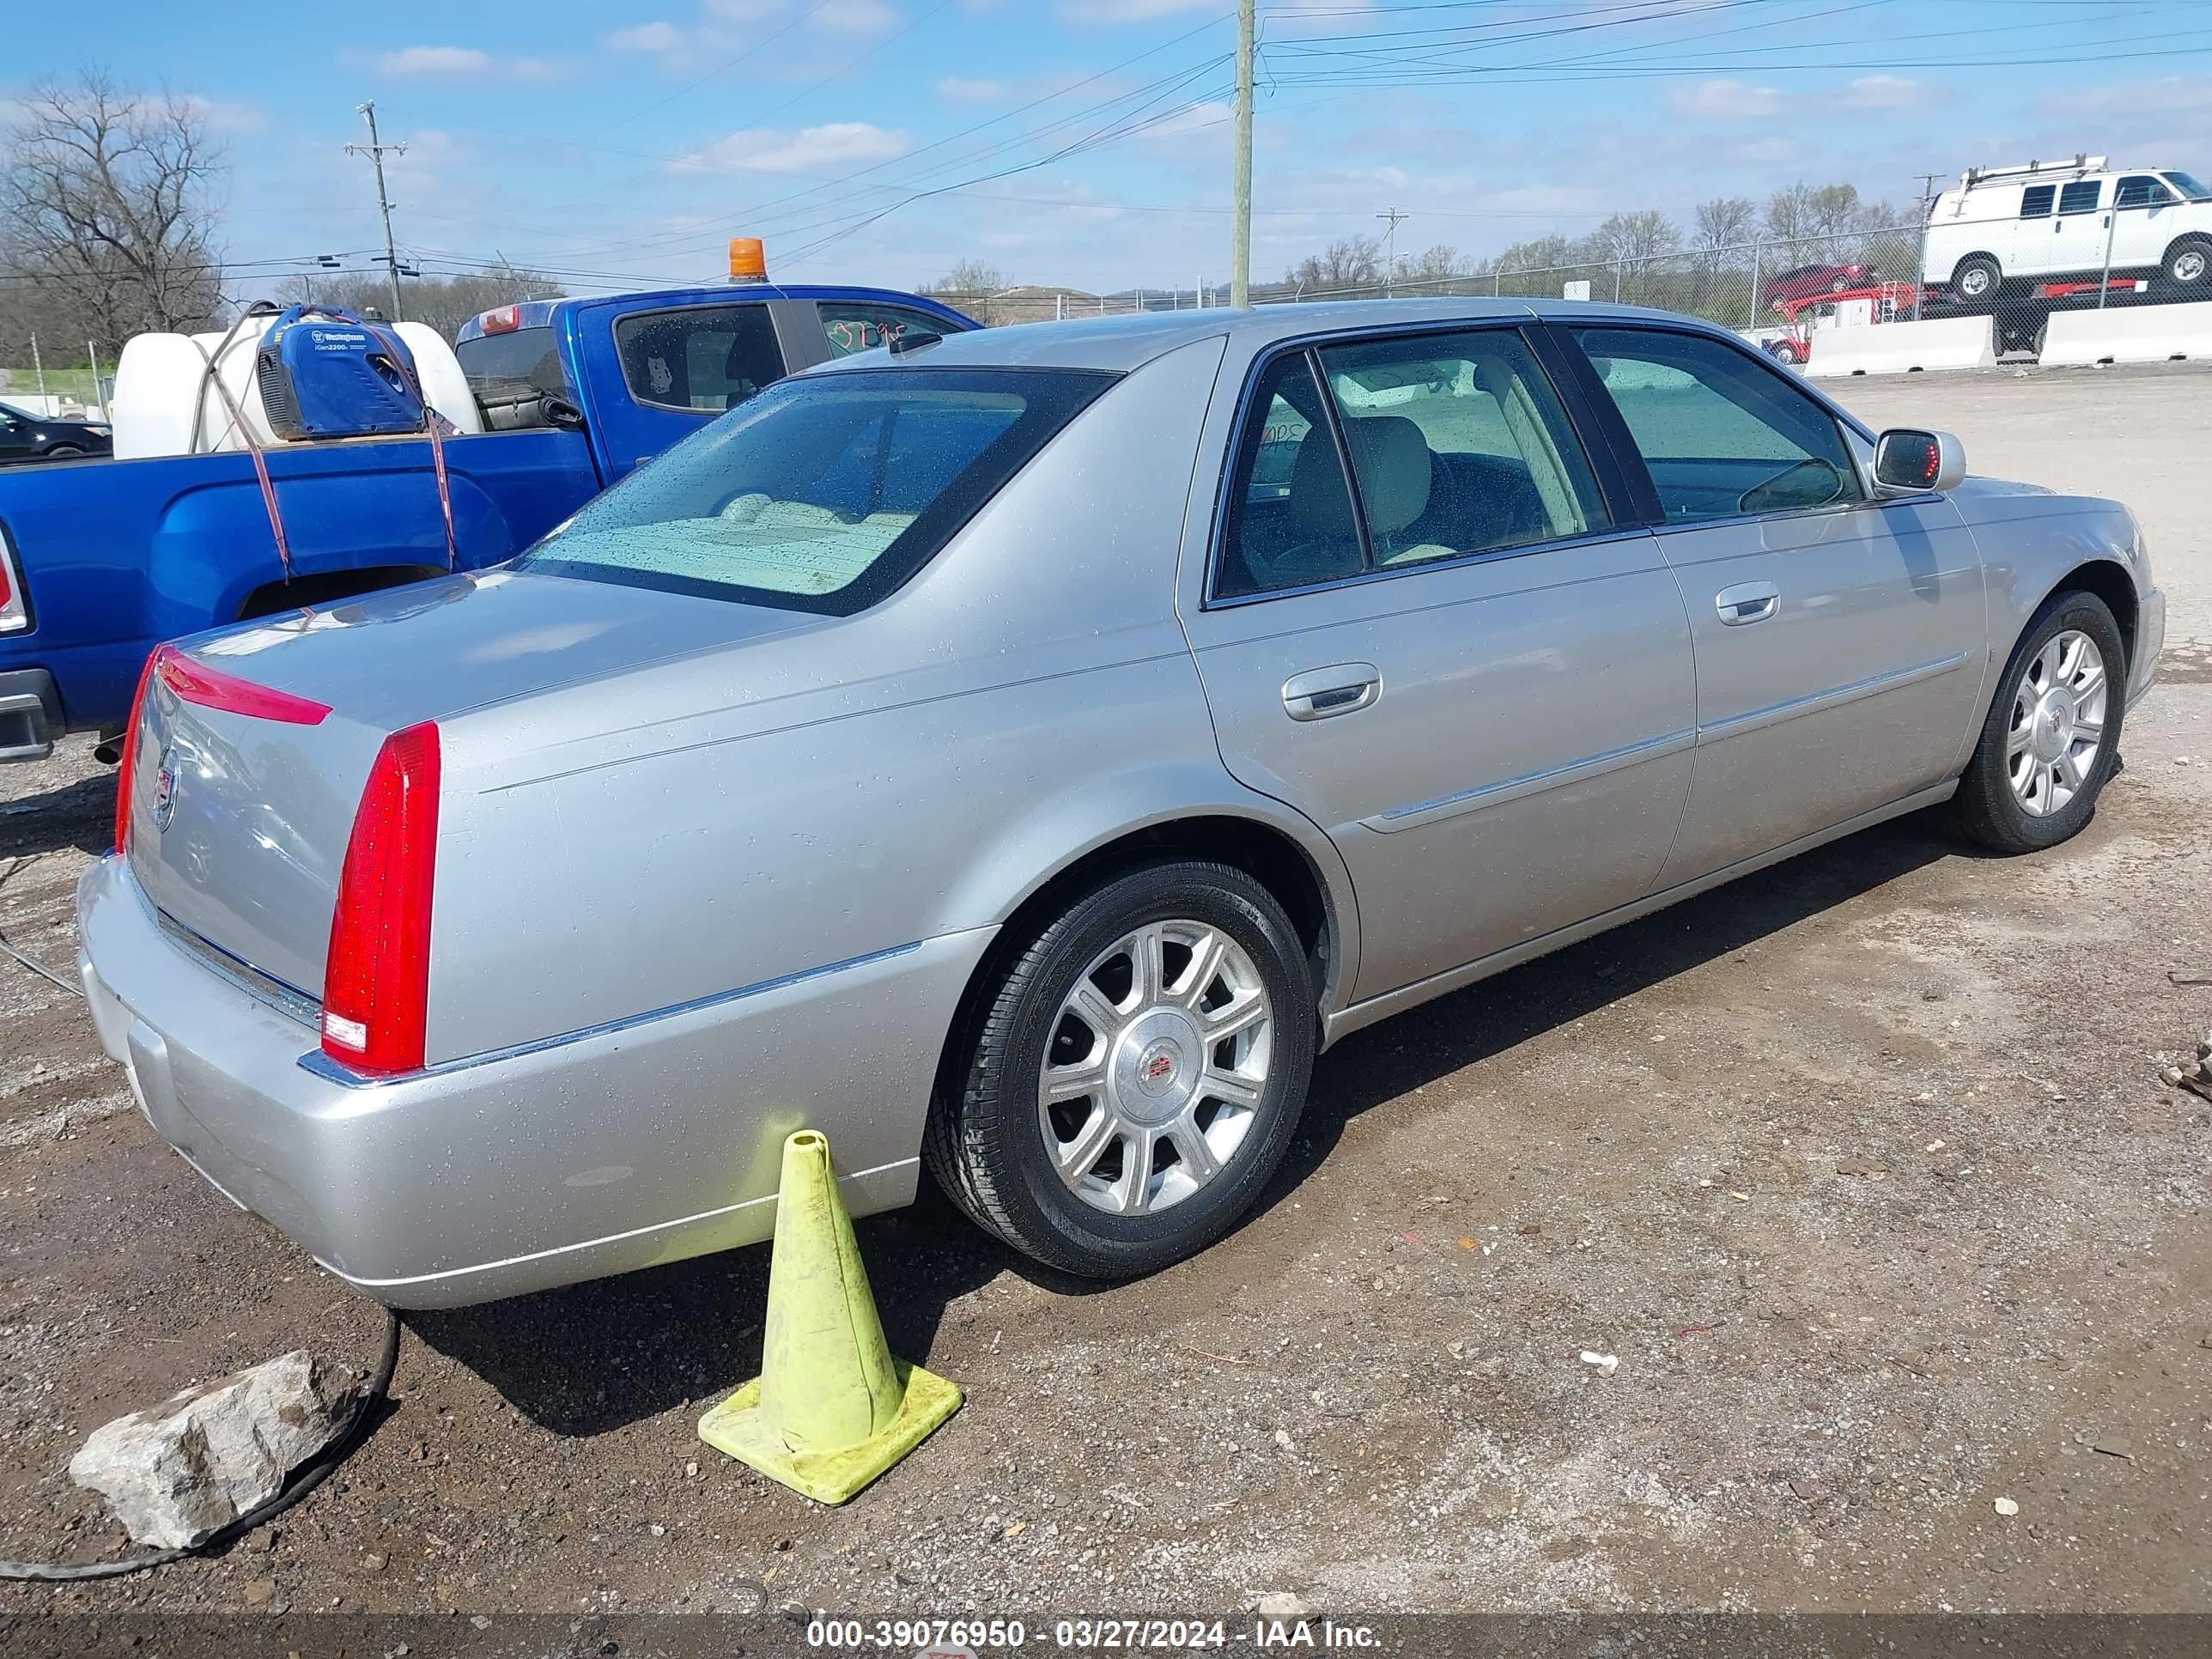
[(2052, 738), (1978, 278), (1133, 1075)]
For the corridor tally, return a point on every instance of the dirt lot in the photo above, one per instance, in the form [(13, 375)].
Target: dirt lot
[(1861, 1167)]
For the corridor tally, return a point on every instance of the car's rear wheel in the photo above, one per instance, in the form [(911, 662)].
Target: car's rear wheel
[(1132, 1076), (64, 452), (2052, 738)]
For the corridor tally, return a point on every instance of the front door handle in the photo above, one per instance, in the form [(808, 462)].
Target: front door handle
[(1343, 688), (1747, 602)]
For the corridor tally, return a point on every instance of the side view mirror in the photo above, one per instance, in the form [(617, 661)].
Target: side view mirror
[(1908, 462)]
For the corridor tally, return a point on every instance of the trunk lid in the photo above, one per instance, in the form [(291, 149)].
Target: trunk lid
[(238, 821)]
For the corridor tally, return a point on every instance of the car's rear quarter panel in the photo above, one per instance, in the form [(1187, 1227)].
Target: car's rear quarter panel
[(704, 831)]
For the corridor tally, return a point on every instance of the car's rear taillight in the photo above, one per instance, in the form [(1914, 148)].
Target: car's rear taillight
[(14, 615), (126, 773), (210, 688), (376, 983)]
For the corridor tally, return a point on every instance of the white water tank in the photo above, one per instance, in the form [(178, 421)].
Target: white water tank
[(160, 377), (445, 383)]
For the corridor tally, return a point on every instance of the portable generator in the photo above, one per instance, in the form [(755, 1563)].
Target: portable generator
[(325, 373)]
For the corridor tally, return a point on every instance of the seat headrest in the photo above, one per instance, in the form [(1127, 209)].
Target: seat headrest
[(1392, 457)]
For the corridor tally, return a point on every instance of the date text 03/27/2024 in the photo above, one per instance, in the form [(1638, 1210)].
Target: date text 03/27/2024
[(962, 1639)]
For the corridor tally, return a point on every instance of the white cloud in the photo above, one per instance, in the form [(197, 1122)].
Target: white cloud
[(436, 60), (1725, 100), (835, 145), (1125, 11), (646, 37), (955, 90), (219, 114), (2167, 94), (1327, 12), (1882, 91), (463, 61), (1199, 118), (854, 17)]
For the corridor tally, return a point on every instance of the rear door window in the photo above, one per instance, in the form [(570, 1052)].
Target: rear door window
[(1291, 522), (1460, 445), (854, 327), (2080, 196), (704, 359), (1721, 434)]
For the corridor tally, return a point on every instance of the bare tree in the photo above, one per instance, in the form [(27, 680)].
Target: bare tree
[(106, 205), (968, 276), (1433, 268), (1349, 261), (1631, 244), (969, 287), (1724, 221)]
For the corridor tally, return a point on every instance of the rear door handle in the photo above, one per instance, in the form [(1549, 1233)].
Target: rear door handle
[(1747, 602), (1343, 688)]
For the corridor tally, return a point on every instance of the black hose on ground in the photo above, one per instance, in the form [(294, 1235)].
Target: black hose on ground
[(305, 1478)]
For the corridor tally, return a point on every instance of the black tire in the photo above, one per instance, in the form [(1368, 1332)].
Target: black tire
[(1978, 279), (985, 1144), (2188, 264), (62, 452), (1987, 812)]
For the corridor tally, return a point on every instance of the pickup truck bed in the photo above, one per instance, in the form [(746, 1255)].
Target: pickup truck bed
[(100, 562), (115, 555)]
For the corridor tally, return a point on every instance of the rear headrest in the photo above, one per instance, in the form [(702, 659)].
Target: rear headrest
[(1392, 458)]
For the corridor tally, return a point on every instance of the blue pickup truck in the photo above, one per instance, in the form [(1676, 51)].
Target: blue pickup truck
[(101, 561)]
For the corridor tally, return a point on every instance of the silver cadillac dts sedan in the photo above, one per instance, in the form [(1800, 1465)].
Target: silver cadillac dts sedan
[(1020, 754)]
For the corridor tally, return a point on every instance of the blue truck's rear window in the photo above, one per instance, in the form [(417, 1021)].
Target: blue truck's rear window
[(520, 354), (823, 493)]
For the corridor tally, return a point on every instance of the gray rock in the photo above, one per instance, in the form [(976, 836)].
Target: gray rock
[(1282, 1604), (177, 1473)]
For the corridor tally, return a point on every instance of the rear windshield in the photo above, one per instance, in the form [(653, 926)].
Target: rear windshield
[(824, 493), (520, 354)]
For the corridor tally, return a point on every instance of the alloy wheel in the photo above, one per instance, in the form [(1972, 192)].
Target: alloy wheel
[(1155, 1068), (2058, 723)]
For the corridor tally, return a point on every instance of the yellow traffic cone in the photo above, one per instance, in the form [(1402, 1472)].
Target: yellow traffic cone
[(831, 1409)]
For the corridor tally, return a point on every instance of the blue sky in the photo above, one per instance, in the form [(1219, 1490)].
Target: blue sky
[(618, 144)]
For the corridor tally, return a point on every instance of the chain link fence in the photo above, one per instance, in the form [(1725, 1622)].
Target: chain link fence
[(1778, 292)]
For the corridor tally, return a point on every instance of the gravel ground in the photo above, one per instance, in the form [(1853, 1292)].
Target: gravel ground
[(1861, 1167)]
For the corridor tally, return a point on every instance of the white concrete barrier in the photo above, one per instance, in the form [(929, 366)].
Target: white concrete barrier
[(1903, 348), (2130, 334)]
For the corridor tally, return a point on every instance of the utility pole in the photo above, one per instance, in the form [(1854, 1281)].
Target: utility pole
[(1240, 209), (1391, 256), (374, 150), (1927, 206), (39, 367)]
